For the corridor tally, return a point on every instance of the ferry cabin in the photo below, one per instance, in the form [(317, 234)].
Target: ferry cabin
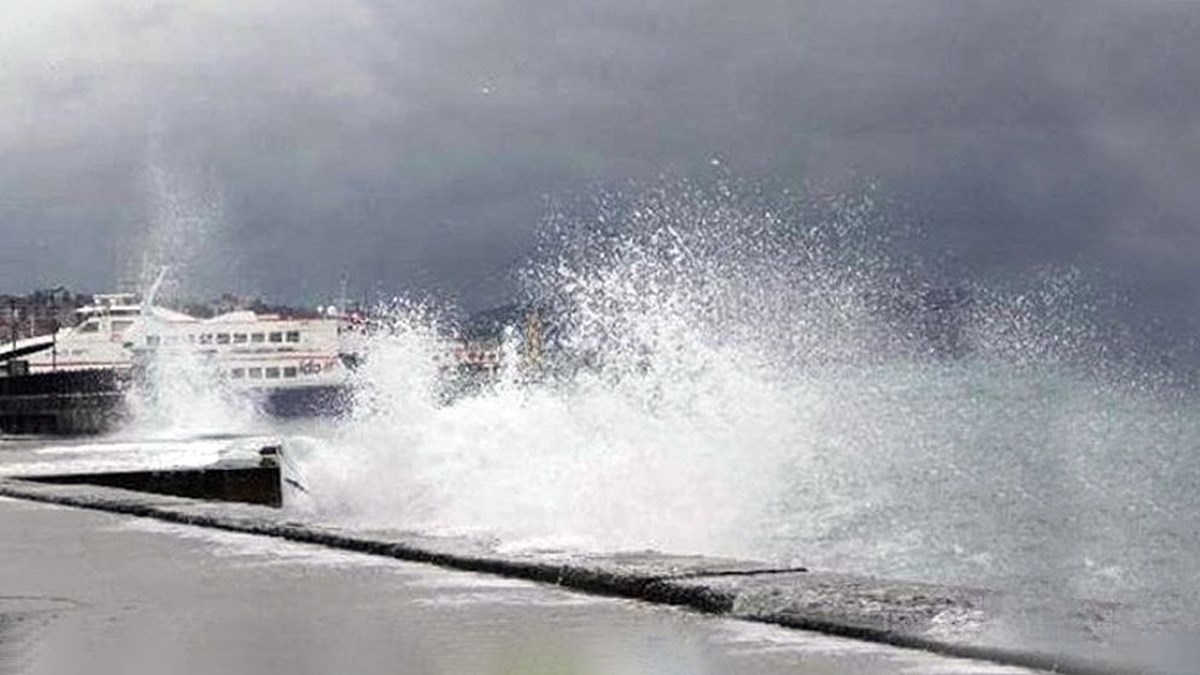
[(246, 349), (96, 342)]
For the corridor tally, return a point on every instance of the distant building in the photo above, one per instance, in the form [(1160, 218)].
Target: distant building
[(38, 313)]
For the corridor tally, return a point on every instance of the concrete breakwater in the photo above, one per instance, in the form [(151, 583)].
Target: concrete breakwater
[(248, 485), (963, 622)]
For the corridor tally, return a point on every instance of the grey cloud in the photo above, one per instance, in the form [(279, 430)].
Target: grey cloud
[(413, 144)]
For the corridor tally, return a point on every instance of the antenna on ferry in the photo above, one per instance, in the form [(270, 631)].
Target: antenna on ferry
[(152, 292)]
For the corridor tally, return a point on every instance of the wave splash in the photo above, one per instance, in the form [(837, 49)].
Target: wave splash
[(730, 373)]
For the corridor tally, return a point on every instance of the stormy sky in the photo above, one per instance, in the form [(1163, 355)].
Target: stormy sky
[(275, 146)]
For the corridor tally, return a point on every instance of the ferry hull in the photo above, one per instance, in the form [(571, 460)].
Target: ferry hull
[(328, 400), (86, 402)]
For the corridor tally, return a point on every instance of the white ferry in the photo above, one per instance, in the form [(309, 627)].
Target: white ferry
[(291, 358)]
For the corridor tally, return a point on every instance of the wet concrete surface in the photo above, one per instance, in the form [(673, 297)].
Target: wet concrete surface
[(90, 592), (946, 620)]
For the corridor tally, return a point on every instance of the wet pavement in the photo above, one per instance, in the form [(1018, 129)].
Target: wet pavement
[(89, 592)]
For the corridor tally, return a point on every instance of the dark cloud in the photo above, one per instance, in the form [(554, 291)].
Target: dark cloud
[(412, 145)]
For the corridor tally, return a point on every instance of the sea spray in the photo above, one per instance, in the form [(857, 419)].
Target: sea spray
[(679, 331), (187, 227), (179, 394), (773, 379), (183, 244)]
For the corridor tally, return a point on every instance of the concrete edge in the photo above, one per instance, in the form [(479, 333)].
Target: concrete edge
[(686, 588)]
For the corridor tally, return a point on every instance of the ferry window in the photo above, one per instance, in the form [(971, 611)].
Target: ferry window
[(191, 337), (153, 340), (256, 373), (293, 336), (205, 338), (222, 338), (290, 371), (273, 373), (90, 327), (276, 337), (239, 338), (257, 337), (237, 373)]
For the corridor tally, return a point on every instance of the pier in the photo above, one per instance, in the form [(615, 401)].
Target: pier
[(63, 402)]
